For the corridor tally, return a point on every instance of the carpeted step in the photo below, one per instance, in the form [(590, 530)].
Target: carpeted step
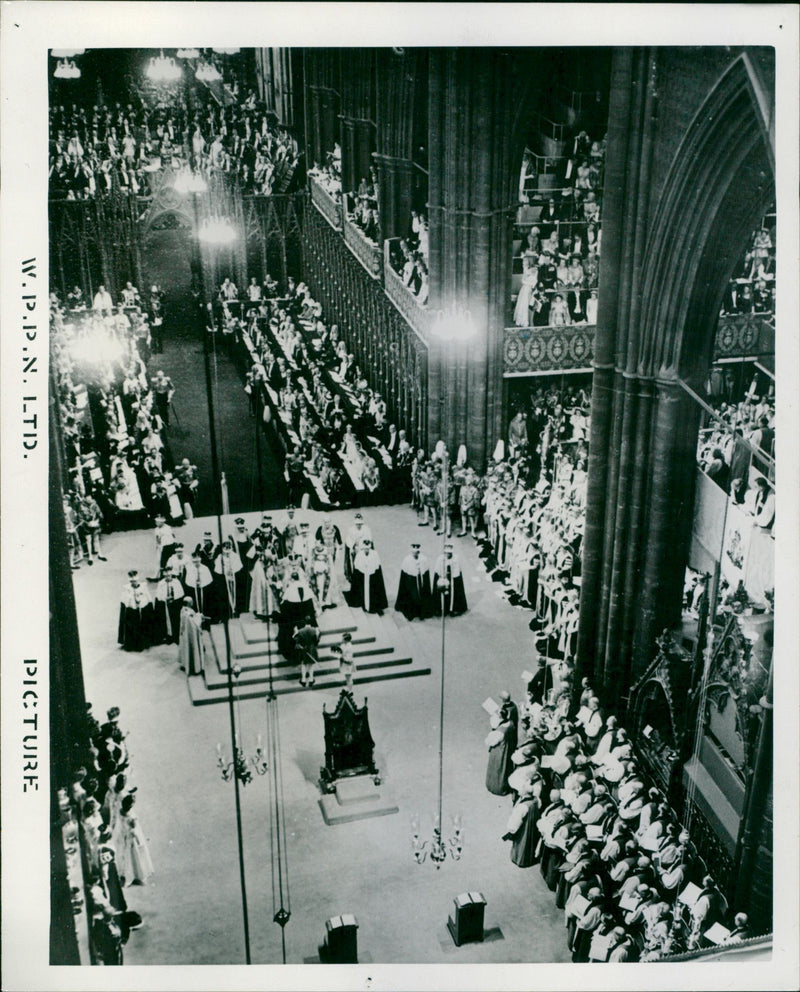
[(201, 695), (290, 670)]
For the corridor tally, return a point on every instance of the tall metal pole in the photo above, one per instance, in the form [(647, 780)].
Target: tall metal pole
[(444, 616), (215, 473)]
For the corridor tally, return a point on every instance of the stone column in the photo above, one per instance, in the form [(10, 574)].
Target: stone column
[(395, 182), (468, 207)]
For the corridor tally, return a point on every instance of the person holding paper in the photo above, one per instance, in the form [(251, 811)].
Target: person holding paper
[(625, 948), (637, 903), (709, 908), (585, 926), (600, 807), (649, 834), (501, 742), (554, 816), (606, 938), (508, 709), (576, 902), (522, 831), (526, 777), (615, 841), (641, 874), (581, 795), (590, 719), (606, 743)]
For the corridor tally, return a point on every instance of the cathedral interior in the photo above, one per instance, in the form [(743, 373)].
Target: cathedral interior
[(542, 276)]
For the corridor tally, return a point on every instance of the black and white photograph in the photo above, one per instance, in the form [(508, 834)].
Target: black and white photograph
[(398, 570)]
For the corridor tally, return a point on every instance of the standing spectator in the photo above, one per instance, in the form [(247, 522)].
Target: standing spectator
[(164, 391), (92, 520), (306, 642)]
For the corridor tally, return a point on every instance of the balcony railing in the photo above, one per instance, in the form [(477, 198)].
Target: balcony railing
[(366, 251), (539, 350), (330, 208), (745, 336), (419, 317)]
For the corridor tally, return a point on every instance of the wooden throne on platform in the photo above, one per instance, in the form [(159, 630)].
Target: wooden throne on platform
[(349, 747)]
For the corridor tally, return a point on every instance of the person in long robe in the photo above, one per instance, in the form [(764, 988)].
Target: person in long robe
[(502, 742), (227, 568), (449, 584), (585, 926), (167, 609), (197, 581), (135, 615), (289, 533), (414, 587), (321, 575), (356, 536), (264, 602), (297, 608), (135, 864), (191, 651), (522, 831), (179, 562), (367, 588), (331, 537)]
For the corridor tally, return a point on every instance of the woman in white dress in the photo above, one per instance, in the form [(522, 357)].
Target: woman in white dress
[(134, 862), (124, 486), (530, 280)]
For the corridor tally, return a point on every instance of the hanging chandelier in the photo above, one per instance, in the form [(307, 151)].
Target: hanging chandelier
[(207, 72), (453, 324), (239, 766), (187, 53), (216, 231), (66, 69), (187, 181), (437, 847), (66, 53), (163, 69)]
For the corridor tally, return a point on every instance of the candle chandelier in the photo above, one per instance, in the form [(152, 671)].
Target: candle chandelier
[(66, 67), (162, 69), (217, 231), (453, 324), (239, 766), (437, 848), (207, 72)]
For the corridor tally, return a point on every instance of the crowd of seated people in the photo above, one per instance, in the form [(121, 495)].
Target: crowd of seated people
[(622, 867), (752, 288), (328, 174), (409, 257), (97, 150), (557, 243), (340, 447), (105, 846), (732, 464), (362, 208), (113, 417)]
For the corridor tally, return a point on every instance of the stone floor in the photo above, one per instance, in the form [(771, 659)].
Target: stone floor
[(192, 906)]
